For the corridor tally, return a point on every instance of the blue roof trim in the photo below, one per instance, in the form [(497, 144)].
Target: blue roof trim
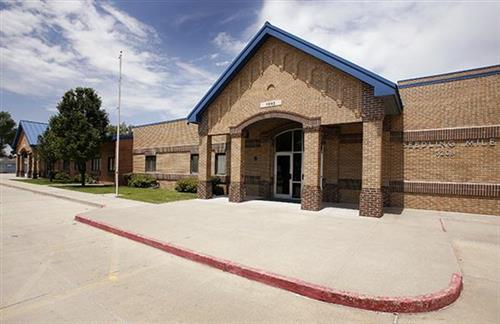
[(458, 78), (451, 73), (32, 130), (382, 86), (112, 138), (162, 122)]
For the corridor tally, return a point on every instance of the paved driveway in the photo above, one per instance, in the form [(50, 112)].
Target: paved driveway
[(335, 248), (57, 270)]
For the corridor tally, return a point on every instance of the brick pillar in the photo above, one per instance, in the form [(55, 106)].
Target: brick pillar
[(330, 165), (30, 165), (35, 166), (371, 196), (311, 190), (237, 189), (18, 165), (205, 167), (386, 161)]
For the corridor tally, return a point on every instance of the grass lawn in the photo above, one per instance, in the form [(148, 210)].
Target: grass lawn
[(150, 195), (39, 181), (156, 196)]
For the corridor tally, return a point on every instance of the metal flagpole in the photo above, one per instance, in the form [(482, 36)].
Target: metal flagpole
[(117, 146)]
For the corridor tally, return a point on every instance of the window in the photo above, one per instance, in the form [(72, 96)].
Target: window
[(194, 163), (96, 164), (66, 165), (220, 164), (151, 163), (111, 164)]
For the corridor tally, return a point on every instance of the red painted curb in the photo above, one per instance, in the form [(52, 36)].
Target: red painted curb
[(417, 304)]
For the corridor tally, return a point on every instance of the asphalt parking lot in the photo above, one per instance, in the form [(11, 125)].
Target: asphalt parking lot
[(57, 270)]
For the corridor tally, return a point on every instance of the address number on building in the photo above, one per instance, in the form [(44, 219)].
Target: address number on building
[(272, 103)]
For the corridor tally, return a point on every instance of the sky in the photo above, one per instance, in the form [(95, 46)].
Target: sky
[(174, 50)]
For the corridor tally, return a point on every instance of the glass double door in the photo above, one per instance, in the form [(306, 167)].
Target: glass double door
[(288, 175)]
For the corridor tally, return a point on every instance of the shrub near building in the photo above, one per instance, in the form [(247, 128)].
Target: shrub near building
[(187, 185)]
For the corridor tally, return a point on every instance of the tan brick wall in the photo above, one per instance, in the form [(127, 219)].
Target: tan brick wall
[(448, 203), (172, 133), (460, 103), (468, 164), (311, 159), (237, 159), (372, 154), (125, 165), (305, 85), (350, 160), (139, 163), (471, 102), (177, 163)]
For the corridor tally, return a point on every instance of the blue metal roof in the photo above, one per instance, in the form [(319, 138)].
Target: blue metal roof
[(31, 130), (382, 86)]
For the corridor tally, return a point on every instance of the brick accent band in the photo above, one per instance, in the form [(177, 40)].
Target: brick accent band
[(371, 202), (416, 304), (167, 149), (311, 198), (216, 147), (331, 192), (351, 138), (350, 184), (447, 134), (252, 180), (237, 192), (169, 176), (204, 190), (488, 190)]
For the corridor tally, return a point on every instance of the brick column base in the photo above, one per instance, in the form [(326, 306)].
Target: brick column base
[(386, 193), (237, 192), (331, 192), (311, 198), (371, 202), (265, 189), (204, 190)]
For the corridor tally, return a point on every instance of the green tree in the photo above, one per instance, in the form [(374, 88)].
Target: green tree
[(48, 144), (7, 130), (79, 127), (124, 129)]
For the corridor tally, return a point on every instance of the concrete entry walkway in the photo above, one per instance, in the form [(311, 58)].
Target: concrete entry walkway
[(335, 247)]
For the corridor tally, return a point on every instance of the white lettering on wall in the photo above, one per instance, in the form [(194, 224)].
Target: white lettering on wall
[(445, 148)]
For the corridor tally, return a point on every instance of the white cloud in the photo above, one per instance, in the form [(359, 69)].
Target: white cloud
[(397, 40), (228, 43), (223, 63), (49, 47)]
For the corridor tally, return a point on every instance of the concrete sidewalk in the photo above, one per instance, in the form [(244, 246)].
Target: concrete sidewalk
[(94, 200), (334, 248)]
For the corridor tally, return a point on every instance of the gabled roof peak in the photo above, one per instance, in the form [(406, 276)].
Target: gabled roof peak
[(382, 87), (32, 130)]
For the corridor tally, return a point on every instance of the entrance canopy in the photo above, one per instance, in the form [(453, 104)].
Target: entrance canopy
[(31, 130), (382, 87)]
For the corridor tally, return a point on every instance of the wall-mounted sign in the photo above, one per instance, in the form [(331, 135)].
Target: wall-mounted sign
[(271, 103), (446, 148)]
